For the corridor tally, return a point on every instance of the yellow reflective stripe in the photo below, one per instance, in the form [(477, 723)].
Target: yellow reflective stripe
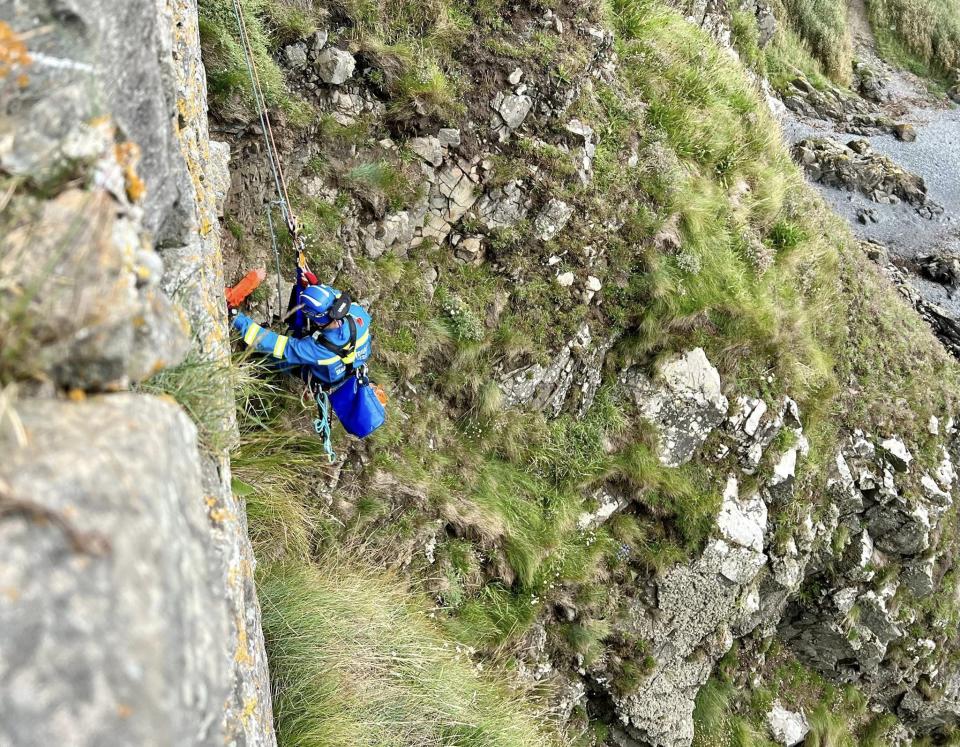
[(280, 346), (252, 333), (363, 338), (350, 358), (328, 361)]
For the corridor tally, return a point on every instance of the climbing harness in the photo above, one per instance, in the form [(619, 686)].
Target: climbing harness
[(276, 168)]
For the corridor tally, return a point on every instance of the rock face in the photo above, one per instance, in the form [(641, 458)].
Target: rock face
[(855, 629), (857, 168), (115, 135), (112, 627), (570, 380), (684, 402)]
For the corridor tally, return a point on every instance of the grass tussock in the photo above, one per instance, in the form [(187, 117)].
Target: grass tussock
[(270, 24), (822, 25), (353, 661), (921, 35)]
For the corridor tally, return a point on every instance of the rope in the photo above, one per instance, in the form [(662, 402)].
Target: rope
[(322, 424), (261, 104), (276, 167), (276, 257)]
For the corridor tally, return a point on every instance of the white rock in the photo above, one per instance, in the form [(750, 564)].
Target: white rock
[(565, 279), (552, 219), (788, 728), (896, 451), (515, 77), (742, 522), (753, 421), (335, 65), (685, 402), (513, 109), (933, 426), (593, 284)]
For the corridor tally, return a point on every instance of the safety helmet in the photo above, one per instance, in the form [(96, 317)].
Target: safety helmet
[(323, 305)]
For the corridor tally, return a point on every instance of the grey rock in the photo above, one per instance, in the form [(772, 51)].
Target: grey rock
[(688, 629), (787, 727), (115, 613), (449, 137), (552, 219), (95, 337), (295, 55), (512, 108), (899, 528), (905, 132), (918, 577), (335, 66), (684, 402), (570, 380), (941, 267), (317, 42), (430, 149), (503, 207)]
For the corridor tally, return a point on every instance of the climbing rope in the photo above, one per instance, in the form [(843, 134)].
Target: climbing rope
[(322, 424), (276, 167)]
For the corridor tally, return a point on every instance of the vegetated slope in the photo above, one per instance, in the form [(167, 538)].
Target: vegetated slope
[(923, 36), (699, 231)]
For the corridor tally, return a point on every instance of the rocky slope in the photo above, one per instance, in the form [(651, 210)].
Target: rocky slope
[(833, 565), (669, 461), (128, 606)]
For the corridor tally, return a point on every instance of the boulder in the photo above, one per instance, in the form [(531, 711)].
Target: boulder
[(295, 55), (787, 727), (114, 611), (906, 133), (683, 401), (430, 149), (335, 66)]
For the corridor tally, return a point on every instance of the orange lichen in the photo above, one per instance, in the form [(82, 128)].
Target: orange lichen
[(77, 395), (128, 156), (14, 57)]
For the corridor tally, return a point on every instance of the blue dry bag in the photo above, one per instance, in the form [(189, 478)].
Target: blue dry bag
[(356, 404)]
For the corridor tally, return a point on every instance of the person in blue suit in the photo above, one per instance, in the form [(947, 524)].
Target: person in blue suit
[(340, 344)]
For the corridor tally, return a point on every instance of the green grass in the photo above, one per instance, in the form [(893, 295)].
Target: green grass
[(202, 388), (354, 660), (822, 24), (270, 24), (921, 35), (771, 286)]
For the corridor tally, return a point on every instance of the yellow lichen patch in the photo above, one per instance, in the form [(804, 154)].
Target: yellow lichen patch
[(77, 395), (10, 593), (249, 706), (14, 57), (124, 711), (128, 156), (242, 656)]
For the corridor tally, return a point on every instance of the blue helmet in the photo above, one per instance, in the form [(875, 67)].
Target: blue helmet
[(323, 304)]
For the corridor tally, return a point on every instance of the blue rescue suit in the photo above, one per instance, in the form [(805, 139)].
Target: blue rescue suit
[(326, 365)]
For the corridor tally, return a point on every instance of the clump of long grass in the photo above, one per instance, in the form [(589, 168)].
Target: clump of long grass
[(923, 35), (354, 661)]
